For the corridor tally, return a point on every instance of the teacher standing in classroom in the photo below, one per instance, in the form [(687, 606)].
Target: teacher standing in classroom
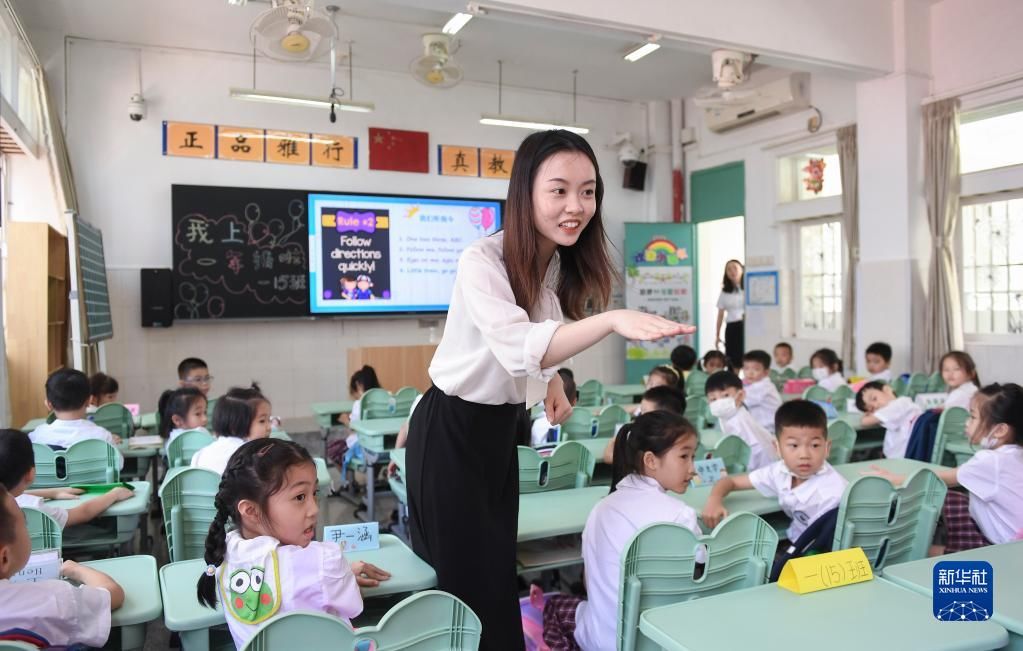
[(504, 339), (731, 311)]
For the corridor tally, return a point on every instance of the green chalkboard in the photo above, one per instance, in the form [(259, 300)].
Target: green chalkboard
[(93, 291)]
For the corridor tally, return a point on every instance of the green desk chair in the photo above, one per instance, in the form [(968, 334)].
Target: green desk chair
[(843, 438), (377, 403), (591, 393), (817, 393), (734, 452), (790, 374), (89, 461), (936, 384), (805, 373), (697, 411), (403, 400), (609, 419), (14, 645), (900, 387), (185, 445), (696, 384), (116, 419), (918, 383), (951, 429), (659, 562), (840, 397), (187, 496), (892, 525), (580, 425), (43, 531), (427, 621), (571, 466), (211, 403)]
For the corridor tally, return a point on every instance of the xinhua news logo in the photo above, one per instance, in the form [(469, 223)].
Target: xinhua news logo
[(963, 591)]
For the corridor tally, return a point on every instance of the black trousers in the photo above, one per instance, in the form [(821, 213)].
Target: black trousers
[(463, 496), (735, 344)]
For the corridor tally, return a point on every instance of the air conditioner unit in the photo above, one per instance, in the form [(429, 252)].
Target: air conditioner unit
[(785, 95)]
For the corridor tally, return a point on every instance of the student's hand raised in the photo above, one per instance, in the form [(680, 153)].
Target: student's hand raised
[(368, 575), (640, 326)]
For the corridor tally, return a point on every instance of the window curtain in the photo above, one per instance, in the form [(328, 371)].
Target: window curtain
[(943, 322), (847, 158)]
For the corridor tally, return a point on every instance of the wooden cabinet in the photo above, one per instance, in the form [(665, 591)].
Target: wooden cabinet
[(36, 313), (396, 366)]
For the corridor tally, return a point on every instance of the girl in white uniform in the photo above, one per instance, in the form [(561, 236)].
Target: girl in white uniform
[(240, 415), (827, 369), (960, 376)]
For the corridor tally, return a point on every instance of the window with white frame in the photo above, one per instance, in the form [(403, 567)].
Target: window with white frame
[(992, 266), (820, 275), (809, 175), (991, 137)]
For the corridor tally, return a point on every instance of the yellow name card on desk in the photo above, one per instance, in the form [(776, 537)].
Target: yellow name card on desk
[(823, 571)]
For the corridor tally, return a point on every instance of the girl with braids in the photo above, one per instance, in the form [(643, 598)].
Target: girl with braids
[(268, 562), (653, 454)]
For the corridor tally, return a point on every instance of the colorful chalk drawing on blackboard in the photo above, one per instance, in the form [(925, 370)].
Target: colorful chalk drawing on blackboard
[(245, 256)]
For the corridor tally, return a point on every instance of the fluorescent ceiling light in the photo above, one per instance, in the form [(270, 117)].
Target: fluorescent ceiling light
[(637, 53), (273, 97), (237, 3), (529, 123), (456, 23)]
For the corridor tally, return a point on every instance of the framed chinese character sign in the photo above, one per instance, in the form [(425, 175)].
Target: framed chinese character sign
[(237, 143), (496, 163), (335, 151), (288, 147), (189, 139), (241, 143), (455, 160)]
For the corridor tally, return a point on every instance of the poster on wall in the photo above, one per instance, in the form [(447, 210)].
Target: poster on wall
[(659, 279)]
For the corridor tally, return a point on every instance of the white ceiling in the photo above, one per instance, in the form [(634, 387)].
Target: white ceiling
[(386, 35)]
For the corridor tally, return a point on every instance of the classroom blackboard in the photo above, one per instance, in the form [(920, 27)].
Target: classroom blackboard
[(93, 278), (239, 252)]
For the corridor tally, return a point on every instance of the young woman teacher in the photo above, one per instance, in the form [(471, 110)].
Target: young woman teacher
[(503, 342)]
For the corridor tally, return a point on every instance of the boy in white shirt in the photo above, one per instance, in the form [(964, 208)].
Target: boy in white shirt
[(55, 610), (18, 472), (726, 395), (783, 358), (880, 405), (762, 397), (67, 395), (879, 358), (806, 485), (540, 431)]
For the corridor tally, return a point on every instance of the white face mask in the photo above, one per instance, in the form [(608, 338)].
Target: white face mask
[(989, 442), (723, 408), (821, 373)]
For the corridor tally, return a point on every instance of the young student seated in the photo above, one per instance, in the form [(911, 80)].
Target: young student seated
[(181, 410), (683, 358), (361, 381), (762, 397), (783, 358), (880, 405), (714, 361), (67, 395), (725, 394), (103, 389), (18, 473), (806, 485), (663, 376), (653, 455), (661, 398), (541, 427), (193, 372), (55, 610), (240, 415), (960, 376), (827, 369), (261, 555), (879, 358), (990, 512)]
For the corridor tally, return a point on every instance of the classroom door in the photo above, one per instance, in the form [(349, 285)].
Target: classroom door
[(717, 242)]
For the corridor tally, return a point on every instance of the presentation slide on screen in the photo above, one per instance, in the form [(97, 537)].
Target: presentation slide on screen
[(390, 254)]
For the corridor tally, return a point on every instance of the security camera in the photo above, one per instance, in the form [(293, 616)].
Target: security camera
[(136, 107), (628, 154)]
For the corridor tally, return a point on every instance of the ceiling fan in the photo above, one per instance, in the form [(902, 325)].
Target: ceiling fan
[(436, 68), (292, 30)]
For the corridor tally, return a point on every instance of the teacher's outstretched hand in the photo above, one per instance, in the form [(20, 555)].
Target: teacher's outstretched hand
[(573, 338)]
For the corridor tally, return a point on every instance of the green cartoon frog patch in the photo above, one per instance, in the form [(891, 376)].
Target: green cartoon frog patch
[(252, 595)]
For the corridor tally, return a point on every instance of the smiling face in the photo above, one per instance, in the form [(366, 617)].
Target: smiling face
[(803, 449), (292, 510), (564, 200), (674, 468)]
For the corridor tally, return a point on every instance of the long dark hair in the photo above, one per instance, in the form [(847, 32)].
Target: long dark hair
[(255, 472), (726, 283), (964, 360), (365, 377), (236, 410), (586, 272), (176, 402), (829, 357), (655, 431), (1001, 403)]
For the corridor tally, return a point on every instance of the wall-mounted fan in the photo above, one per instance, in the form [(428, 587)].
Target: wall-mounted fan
[(435, 68), (291, 30), (731, 69)]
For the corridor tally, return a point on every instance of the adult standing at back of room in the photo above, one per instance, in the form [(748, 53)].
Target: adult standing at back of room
[(503, 342), (731, 311)]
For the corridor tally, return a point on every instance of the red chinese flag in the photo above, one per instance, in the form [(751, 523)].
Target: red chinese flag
[(399, 151)]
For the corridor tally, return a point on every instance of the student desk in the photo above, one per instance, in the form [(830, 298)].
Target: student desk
[(624, 392), (142, 603), (326, 413), (917, 576), (556, 513), (870, 615), (375, 437), (146, 421), (183, 613), (32, 424), (867, 436), (130, 513), (398, 457), (596, 446)]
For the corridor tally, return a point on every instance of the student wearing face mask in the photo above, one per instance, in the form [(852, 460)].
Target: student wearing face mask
[(725, 394), (827, 369)]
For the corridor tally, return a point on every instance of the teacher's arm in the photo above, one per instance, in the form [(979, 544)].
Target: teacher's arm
[(718, 338), (573, 338)]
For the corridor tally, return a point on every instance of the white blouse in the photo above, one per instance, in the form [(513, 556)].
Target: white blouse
[(733, 303), (491, 349)]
